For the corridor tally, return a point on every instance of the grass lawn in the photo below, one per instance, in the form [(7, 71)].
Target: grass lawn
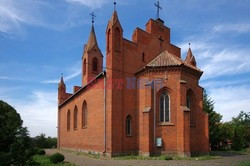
[(44, 160), (134, 157), (244, 163)]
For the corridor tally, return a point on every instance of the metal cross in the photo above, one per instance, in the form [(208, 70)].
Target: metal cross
[(157, 5), (115, 6), (93, 17)]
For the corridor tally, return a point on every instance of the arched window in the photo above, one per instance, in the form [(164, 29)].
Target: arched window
[(164, 107), (68, 120), (143, 57), (117, 38), (84, 66), (95, 64), (108, 40), (75, 117), (128, 125), (190, 105), (84, 114)]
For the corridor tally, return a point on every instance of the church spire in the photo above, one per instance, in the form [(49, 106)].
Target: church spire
[(61, 81), (190, 58), (92, 39)]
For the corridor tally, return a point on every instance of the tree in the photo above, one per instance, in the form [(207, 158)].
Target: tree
[(241, 137), (41, 141), (15, 144), (214, 121)]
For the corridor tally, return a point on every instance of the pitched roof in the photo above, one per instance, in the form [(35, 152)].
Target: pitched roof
[(92, 39), (168, 59)]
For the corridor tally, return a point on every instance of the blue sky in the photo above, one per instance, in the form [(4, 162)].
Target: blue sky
[(39, 39)]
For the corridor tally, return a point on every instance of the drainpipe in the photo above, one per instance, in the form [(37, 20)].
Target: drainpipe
[(104, 112), (154, 112)]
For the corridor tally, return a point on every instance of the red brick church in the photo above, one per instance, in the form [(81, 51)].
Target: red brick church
[(146, 100)]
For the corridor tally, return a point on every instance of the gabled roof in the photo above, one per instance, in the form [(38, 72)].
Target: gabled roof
[(166, 59)]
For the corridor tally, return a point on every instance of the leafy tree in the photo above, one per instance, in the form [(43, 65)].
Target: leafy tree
[(241, 137), (214, 121), (42, 142), (15, 144)]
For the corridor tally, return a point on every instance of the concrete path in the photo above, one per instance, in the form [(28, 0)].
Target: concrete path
[(81, 160)]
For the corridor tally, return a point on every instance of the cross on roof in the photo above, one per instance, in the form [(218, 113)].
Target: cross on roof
[(114, 5), (93, 17), (157, 5)]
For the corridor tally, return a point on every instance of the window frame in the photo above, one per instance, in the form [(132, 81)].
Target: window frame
[(164, 109)]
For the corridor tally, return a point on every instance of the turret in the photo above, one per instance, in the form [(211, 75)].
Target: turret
[(61, 91), (114, 36), (92, 60), (190, 59)]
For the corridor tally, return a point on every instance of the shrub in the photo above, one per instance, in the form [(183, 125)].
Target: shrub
[(168, 158), (41, 152), (35, 150), (57, 158)]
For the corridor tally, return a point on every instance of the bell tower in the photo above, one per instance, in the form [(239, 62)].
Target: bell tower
[(92, 59)]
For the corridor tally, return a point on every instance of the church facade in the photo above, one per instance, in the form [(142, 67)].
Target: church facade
[(146, 101)]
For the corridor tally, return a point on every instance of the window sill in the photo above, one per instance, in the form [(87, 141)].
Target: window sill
[(84, 127), (75, 129), (68, 130), (165, 124), (129, 135)]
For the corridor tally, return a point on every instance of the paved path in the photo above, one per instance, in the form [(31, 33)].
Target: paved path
[(81, 160)]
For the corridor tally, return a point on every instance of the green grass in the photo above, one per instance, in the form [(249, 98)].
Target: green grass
[(44, 161), (165, 157), (244, 163)]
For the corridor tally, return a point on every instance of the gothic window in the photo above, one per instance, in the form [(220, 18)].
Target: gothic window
[(84, 66), (84, 114), (143, 57), (109, 40), (117, 39), (128, 125), (75, 117), (68, 120), (190, 102), (95, 64), (164, 107)]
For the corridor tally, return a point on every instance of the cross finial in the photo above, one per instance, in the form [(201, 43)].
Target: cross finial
[(115, 6), (93, 17), (157, 5), (189, 44), (61, 74)]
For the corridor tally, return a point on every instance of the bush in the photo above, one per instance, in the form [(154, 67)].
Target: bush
[(57, 158), (168, 158), (41, 152)]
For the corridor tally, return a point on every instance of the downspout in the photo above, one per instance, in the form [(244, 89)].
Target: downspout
[(154, 113), (104, 112)]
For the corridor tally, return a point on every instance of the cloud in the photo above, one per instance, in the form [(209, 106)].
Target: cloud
[(230, 100), (71, 72), (239, 28), (38, 112), (90, 3)]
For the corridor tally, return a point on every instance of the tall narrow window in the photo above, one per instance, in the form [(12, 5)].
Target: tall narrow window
[(164, 107), (84, 114), (95, 64), (117, 39), (190, 105), (68, 120), (84, 66), (75, 117), (128, 125), (143, 57), (108, 40)]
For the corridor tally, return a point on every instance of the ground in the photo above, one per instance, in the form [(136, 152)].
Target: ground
[(226, 159)]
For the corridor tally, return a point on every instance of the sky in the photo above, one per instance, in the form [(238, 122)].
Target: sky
[(40, 39)]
